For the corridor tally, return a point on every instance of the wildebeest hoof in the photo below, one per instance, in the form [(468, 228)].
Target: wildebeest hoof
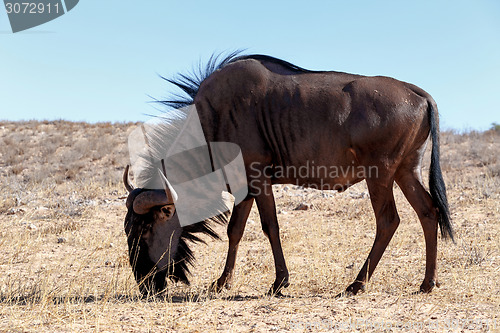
[(217, 286), (273, 293), (344, 294), (427, 286), (214, 287), (352, 290), (277, 287)]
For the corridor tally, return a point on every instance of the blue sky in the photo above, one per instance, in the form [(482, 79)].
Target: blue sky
[(101, 60)]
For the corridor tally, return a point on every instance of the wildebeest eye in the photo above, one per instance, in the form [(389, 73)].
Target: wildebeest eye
[(168, 210)]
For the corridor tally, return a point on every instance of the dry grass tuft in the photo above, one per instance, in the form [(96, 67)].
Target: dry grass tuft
[(64, 262)]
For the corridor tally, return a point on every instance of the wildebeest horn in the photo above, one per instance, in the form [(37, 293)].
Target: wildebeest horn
[(148, 199), (129, 187), (168, 187)]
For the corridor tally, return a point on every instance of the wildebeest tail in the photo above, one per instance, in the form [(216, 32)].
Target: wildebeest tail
[(436, 182)]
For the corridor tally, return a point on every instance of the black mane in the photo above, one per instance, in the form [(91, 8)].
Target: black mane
[(184, 257), (265, 58), (190, 83)]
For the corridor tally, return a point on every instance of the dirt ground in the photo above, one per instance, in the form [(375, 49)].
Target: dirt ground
[(64, 264)]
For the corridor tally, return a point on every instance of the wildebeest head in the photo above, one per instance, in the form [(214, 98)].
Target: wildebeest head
[(158, 244)]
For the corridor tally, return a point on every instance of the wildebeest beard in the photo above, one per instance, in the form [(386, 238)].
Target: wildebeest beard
[(149, 278)]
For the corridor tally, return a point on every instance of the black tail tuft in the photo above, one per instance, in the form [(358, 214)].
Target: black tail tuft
[(436, 182)]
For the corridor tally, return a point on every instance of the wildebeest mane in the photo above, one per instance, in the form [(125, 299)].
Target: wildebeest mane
[(190, 83), (184, 257)]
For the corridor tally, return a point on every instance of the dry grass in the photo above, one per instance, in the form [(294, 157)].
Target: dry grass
[(65, 268)]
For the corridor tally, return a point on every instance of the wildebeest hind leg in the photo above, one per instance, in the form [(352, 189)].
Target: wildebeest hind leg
[(421, 201), (387, 219), (234, 232)]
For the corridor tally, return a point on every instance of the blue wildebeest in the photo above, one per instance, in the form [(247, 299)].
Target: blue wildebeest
[(282, 117)]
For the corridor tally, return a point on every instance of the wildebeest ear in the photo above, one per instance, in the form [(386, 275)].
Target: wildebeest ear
[(168, 210)]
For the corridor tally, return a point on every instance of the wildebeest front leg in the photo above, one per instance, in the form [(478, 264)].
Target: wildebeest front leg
[(234, 232), (269, 220), (387, 219)]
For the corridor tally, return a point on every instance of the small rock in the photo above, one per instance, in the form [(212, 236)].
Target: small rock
[(61, 240), (304, 206), (249, 221), (361, 195), (281, 211), (111, 245), (14, 211), (31, 226), (286, 188)]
